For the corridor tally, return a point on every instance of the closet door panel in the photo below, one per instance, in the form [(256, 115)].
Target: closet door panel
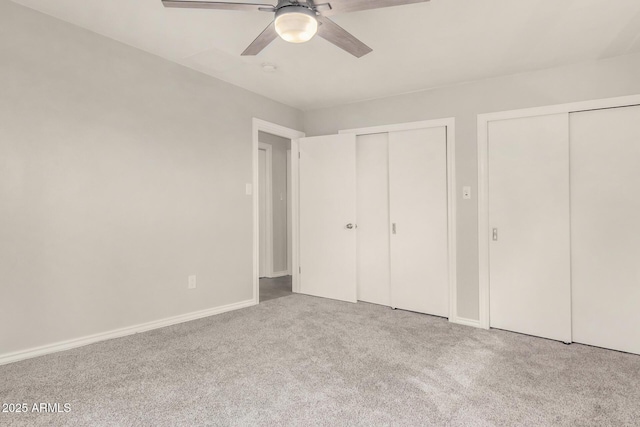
[(529, 254), (372, 166), (418, 208), (605, 171)]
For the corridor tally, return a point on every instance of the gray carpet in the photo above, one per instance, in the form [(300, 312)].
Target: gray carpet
[(275, 288), (305, 361)]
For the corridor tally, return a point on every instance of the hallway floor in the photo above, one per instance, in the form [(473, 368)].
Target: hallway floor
[(275, 288)]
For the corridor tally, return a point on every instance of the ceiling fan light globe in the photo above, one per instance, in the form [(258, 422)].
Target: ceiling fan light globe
[(296, 24)]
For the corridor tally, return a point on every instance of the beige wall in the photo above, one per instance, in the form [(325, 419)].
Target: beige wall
[(120, 175), (279, 192), (607, 78)]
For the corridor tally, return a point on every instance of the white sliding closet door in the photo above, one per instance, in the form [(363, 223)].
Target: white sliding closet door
[(373, 218), (328, 216), (530, 278), (418, 208), (605, 171)]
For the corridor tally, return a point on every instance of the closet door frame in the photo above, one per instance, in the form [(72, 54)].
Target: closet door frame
[(483, 175), (449, 125)]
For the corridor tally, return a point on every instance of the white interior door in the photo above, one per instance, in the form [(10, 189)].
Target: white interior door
[(418, 213), (327, 168), (605, 168), (373, 218), (530, 281)]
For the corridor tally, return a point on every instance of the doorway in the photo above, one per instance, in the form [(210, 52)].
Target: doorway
[(274, 198), (274, 158)]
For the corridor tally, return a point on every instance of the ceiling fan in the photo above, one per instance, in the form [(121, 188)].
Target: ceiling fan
[(298, 21)]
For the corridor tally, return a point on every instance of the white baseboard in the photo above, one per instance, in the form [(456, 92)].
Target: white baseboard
[(118, 333), (280, 274), (466, 322)]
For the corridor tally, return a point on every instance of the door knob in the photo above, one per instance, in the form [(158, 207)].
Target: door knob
[(349, 226)]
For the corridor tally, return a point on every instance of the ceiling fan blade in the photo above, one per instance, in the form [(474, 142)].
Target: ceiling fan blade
[(346, 6), (267, 36), (335, 34), (252, 7)]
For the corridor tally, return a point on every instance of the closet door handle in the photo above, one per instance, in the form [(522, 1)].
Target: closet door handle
[(393, 228), (495, 234)]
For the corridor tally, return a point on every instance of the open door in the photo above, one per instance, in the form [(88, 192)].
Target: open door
[(327, 171)]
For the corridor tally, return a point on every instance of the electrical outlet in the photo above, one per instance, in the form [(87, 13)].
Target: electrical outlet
[(192, 282)]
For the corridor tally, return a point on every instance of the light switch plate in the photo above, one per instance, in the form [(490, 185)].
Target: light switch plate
[(248, 189), (192, 282)]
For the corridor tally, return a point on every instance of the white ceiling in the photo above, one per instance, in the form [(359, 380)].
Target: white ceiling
[(415, 47)]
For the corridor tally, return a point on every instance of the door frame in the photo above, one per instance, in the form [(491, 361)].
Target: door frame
[(289, 215), (268, 256), (450, 125), (483, 176), (292, 134)]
